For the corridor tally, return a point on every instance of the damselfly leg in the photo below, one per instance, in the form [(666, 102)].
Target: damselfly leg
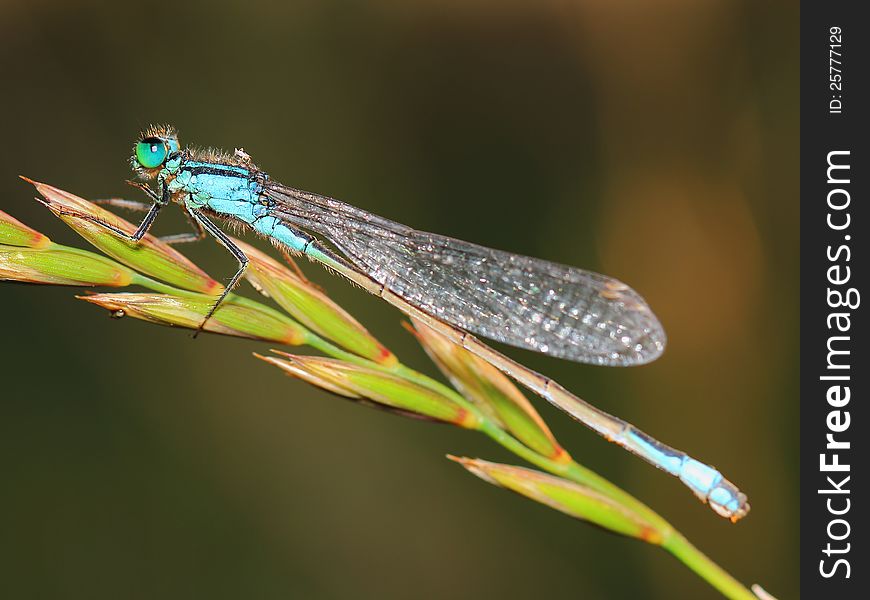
[(225, 241)]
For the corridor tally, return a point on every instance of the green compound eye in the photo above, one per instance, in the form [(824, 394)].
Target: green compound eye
[(151, 152)]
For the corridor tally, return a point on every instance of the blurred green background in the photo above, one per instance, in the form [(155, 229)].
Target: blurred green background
[(655, 142)]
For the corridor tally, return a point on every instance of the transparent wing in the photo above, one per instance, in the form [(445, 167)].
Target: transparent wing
[(526, 302)]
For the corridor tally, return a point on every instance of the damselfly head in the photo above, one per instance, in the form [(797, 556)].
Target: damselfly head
[(153, 148)]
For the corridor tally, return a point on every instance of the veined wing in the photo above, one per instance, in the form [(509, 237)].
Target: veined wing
[(526, 302)]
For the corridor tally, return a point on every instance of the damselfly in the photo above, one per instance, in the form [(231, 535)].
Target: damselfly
[(456, 287)]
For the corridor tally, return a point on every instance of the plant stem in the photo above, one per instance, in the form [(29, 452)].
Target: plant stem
[(673, 541), (708, 570)]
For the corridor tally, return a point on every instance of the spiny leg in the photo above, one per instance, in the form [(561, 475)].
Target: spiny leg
[(135, 205), (159, 202), (196, 235), (132, 205), (224, 240), (136, 236), (146, 223)]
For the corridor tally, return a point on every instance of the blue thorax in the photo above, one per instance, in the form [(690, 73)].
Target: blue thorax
[(231, 191)]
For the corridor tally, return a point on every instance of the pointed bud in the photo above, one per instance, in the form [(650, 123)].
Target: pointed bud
[(240, 319), (311, 307), (385, 390), (490, 390), (565, 496), (295, 369), (149, 255), (59, 265), (15, 233)]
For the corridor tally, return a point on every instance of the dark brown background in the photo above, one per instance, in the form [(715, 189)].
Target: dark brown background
[(656, 142)]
